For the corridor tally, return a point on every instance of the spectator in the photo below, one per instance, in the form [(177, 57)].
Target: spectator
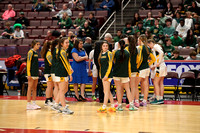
[(182, 29), (156, 29), (168, 30), (193, 56), (22, 20), (194, 8), (161, 38), (148, 4), (180, 10), (18, 34), (88, 45), (9, 14), (196, 30), (50, 5), (117, 38), (38, 6), (107, 5), (49, 37), (128, 30), (64, 9), (189, 20), (188, 3), (160, 4), (176, 20), (79, 21), (196, 18), (8, 32), (92, 22), (21, 72), (108, 38), (79, 67), (72, 39), (76, 4), (63, 33), (140, 27), (136, 36), (161, 18), (190, 40), (169, 11), (89, 4), (176, 40), (147, 22), (148, 34), (65, 22), (168, 47), (136, 19), (176, 56), (85, 31)]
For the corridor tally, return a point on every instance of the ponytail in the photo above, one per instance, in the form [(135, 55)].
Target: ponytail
[(122, 45), (144, 41), (54, 44), (45, 48), (132, 45)]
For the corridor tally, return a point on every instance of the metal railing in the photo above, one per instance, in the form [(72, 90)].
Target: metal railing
[(113, 22), (122, 9)]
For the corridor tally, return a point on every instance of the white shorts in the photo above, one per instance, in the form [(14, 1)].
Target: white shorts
[(161, 72), (48, 77), (134, 74), (34, 78), (121, 79), (61, 79), (53, 77), (94, 72), (144, 73)]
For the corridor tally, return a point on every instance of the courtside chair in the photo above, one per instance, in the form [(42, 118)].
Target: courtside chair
[(189, 75), (174, 75)]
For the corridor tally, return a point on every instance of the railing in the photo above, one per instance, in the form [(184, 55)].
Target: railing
[(122, 9), (113, 22)]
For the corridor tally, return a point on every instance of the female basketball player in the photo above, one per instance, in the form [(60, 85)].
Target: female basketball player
[(54, 52), (121, 74), (133, 59), (47, 56), (160, 71), (105, 73), (143, 66), (62, 71), (32, 75)]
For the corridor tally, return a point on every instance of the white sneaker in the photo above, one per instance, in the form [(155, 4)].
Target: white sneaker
[(36, 106), (30, 107), (66, 101), (66, 110)]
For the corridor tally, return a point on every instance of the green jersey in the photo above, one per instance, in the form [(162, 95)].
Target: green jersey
[(48, 62), (177, 42), (63, 67), (121, 68), (32, 67), (106, 65)]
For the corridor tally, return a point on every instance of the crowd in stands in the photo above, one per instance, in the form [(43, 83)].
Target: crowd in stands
[(173, 28)]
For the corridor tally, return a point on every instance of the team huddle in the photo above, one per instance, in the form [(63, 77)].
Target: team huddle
[(129, 66)]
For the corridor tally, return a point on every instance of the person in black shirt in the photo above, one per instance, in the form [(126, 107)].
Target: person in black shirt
[(136, 19), (89, 4), (22, 20), (85, 31), (92, 22), (88, 45), (194, 8)]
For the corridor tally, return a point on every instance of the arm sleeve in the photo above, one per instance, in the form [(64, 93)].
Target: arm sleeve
[(29, 58), (49, 58), (161, 53), (140, 58), (109, 64), (66, 62), (153, 59)]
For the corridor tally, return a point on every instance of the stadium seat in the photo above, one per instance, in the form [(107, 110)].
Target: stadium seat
[(16, 42), (43, 15), (34, 24), (27, 32), (5, 41), (19, 6), (11, 50), (23, 50), (27, 41), (88, 12), (102, 13), (45, 24), (75, 13), (185, 52), (143, 13), (32, 14), (2, 51), (36, 33)]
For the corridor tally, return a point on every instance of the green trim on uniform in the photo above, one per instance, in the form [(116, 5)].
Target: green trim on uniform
[(32, 67)]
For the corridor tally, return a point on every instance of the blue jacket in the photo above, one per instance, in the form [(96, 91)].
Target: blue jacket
[(109, 4)]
